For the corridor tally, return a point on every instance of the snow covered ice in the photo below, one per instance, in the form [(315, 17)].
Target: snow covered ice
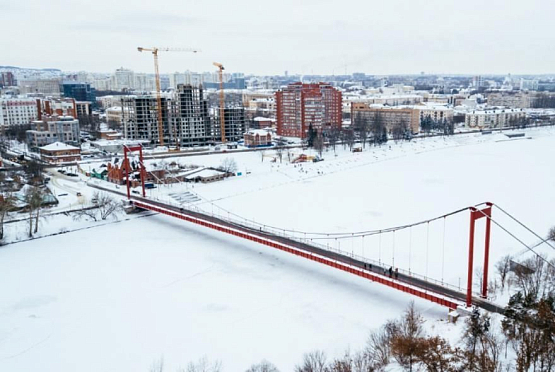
[(118, 296)]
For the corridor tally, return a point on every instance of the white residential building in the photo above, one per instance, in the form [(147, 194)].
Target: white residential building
[(18, 111), (123, 79), (144, 82), (495, 118), (47, 87), (186, 78)]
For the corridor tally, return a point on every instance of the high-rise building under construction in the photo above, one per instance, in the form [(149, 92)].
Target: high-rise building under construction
[(190, 119), (187, 119), (140, 118)]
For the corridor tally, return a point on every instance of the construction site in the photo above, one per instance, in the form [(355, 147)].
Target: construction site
[(185, 117)]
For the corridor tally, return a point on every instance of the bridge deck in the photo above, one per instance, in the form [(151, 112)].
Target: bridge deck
[(415, 286)]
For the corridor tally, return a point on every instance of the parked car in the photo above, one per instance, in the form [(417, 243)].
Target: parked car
[(79, 194), (135, 192), (72, 175)]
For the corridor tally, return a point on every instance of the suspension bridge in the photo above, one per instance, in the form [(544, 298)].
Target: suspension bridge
[(315, 246)]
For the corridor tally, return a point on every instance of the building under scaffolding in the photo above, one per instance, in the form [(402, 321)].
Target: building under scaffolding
[(140, 118), (234, 123), (190, 119), (187, 118)]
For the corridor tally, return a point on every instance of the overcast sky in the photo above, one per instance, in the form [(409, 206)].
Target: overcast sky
[(270, 37)]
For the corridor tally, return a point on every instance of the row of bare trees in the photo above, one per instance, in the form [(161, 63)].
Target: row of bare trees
[(402, 343), (405, 343)]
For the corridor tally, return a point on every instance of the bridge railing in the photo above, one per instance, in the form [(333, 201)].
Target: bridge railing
[(243, 222)]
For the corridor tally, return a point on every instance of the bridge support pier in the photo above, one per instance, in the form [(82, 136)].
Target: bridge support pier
[(476, 214), (127, 166)]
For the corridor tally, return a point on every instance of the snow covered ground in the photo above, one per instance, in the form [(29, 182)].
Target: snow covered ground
[(395, 185), (118, 296)]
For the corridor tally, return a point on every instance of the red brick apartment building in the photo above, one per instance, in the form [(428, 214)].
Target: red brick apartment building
[(300, 105)]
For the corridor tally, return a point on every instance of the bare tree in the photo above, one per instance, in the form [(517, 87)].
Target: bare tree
[(319, 143), (34, 169), (6, 206), (107, 206), (349, 138), (228, 165), (344, 364), (157, 365), (313, 362), (399, 130), (437, 355), (204, 365), (333, 137), (529, 277), (33, 198), (280, 148), (378, 128), (362, 126), (85, 212), (263, 366), (502, 267), (378, 350), (551, 234), (406, 337)]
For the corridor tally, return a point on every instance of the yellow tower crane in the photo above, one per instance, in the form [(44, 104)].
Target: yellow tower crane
[(222, 98), (155, 51)]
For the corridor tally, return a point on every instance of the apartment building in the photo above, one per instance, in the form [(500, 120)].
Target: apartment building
[(190, 120), (389, 115), (18, 111), (52, 129), (510, 99), (299, 106), (235, 124), (140, 118), (495, 118)]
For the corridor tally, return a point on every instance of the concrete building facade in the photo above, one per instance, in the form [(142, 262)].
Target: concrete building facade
[(7, 79), (18, 111), (52, 129), (299, 106), (190, 120), (140, 118), (47, 87), (235, 124), (510, 99), (390, 116), (498, 118), (58, 152)]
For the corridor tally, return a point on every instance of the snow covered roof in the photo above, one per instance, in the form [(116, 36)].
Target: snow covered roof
[(259, 132), (58, 146), (205, 173), (261, 118)]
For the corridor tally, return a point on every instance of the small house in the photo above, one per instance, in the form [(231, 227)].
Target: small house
[(59, 152)]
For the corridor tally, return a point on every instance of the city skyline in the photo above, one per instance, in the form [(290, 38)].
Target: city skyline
[(306, 38)]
